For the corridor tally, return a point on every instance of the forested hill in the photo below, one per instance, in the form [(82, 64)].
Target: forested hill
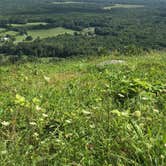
[(73, 28), (16, 6)]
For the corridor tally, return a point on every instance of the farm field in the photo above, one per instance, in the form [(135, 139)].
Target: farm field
[(44, 33), (67, 2), (28, 24), (107, 110), (49, 32), (2, 30), (125, 6)]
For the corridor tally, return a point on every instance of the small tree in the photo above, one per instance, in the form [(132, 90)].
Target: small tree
[(29, 38)]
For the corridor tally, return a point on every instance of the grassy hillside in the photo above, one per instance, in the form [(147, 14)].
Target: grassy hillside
[(93, 111)]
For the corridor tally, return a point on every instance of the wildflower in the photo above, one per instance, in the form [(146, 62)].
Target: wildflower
[(149, 146), (98, 99), (162, 156), (35, 100), (41, 119), (42, 142), (129, 127), (107, 86), (86, 112), (144, 98), (92, 126), (33, 123), (68, 121), (142, 125), (125, 114), (44, 115), (26, 78), (156, 111), (35, 134), (11, 110), (95, 108), (58, 140), (4, 152), (38, 108), (47, 79), (116, 112), (137, 114), (120, 95), (4, 123), (69, 135), (20, 100)]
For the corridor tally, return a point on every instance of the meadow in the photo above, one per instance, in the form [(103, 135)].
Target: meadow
[(125, 6), (2, 30), (29, 24), (49, 32), (67, 2), (42, 33), (4, 33), (107, 110)]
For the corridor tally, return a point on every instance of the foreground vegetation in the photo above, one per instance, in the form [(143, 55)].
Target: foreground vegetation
[(90, 111)]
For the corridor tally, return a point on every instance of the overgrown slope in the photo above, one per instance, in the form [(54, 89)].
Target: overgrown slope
[(91, 111)]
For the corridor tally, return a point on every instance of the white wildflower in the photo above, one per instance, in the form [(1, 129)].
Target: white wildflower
[(38, 108), (68, 121), (33, 123), (156, 111), (4, 123), (45, 115), (47, 79), (35, 134), (86, 112), (4, 152)]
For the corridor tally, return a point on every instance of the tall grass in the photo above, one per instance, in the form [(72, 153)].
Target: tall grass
[(75, 112)]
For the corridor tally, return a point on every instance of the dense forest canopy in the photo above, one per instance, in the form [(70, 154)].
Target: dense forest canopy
[(97, 26)]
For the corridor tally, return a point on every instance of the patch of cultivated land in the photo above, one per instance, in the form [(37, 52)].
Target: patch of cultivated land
[(44, 33), (76, 112), (127, 6), (5, 32), (2, 30), (29, 24), (67, 2)]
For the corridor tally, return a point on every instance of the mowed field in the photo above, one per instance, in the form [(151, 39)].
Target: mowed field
[(45, 33), (2, 30), (41, 33), (125, 6), (87, 111), (49, 32), (28, 24), (67, 2)]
